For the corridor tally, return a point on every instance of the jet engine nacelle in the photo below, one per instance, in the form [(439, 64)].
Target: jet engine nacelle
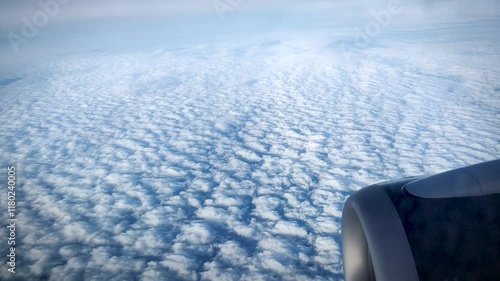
[(440, 227)]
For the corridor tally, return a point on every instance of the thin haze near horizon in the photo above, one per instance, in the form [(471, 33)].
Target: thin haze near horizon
[(415, 11)]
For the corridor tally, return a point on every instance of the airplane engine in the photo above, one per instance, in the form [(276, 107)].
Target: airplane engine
[(440, 227)]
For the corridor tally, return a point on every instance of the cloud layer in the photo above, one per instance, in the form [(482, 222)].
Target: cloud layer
[(232, 160)]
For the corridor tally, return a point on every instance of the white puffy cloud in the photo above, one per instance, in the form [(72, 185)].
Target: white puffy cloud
[(232, 159)]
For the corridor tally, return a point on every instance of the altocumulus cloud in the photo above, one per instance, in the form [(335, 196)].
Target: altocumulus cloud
[(231, 160)]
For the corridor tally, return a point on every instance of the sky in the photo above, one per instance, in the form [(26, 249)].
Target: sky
[(162, 142), (347, 12), (81, 26)]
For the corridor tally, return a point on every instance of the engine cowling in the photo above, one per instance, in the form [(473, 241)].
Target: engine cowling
[(440, 227)]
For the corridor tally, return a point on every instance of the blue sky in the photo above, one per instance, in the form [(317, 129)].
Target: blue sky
[(345, 11), (78, 26)]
